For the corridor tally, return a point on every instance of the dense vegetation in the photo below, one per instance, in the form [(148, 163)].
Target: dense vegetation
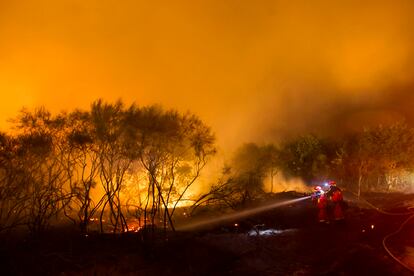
[(379, 159), (113, 162), (143, 160)]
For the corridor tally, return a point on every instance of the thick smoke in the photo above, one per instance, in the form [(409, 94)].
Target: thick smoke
[(255, 71), (338, 115)]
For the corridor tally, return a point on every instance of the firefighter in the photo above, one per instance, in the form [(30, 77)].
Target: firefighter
[(334, 194), (320, 200), (317, 192)]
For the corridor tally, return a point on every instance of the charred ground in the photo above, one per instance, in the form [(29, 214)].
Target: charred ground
[(301, 247)]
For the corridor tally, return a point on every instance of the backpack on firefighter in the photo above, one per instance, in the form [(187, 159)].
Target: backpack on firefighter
[(335, 196)]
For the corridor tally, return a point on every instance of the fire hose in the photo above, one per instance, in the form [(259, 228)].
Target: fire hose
[(384, 240), (395, 233)]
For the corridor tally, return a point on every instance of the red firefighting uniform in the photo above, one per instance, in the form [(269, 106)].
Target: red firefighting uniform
[(322, 204), (335, 195)]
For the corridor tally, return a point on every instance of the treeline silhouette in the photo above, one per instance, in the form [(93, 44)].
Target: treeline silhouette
[(142, 159), (114, 162), (376, 159)]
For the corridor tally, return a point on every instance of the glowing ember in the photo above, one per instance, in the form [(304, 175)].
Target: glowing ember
[(134, 225)]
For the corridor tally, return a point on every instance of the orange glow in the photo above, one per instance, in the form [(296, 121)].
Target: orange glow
[(134, 225), (249, 69)]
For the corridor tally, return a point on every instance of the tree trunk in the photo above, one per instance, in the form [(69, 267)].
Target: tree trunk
[(360, 180), (271, 180)]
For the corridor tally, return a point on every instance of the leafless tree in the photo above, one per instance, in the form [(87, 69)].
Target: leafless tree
[(12, 179), (172, 149), (82, 166), (39, 144), (115, 158)]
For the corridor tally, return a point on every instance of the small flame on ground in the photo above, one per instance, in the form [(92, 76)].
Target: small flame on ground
[(134, 228)]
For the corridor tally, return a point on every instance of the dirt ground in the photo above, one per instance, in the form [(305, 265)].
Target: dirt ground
[(284, 241)]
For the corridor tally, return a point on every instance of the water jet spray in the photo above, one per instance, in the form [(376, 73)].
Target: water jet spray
[(240, 214)]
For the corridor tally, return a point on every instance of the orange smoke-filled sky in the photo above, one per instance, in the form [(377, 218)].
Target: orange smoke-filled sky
[(253, 70)]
